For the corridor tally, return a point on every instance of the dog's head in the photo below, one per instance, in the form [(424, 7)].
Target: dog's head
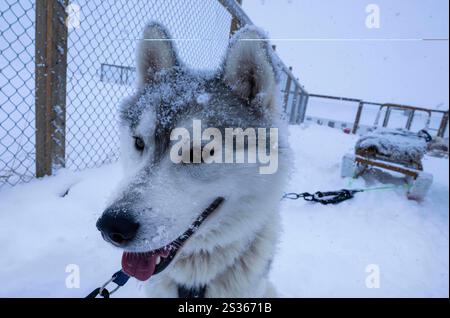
[(158, 204)]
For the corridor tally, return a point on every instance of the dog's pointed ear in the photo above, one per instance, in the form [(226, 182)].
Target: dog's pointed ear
[(155, 53), (249, 71)]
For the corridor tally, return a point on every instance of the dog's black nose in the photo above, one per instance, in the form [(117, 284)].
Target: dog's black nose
[(116, 228)]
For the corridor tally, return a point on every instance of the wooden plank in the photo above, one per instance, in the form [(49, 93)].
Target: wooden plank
[(372, 154), (370, 162), (50, 84)]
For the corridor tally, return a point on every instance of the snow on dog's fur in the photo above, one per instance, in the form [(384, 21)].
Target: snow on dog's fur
[(231, 252)]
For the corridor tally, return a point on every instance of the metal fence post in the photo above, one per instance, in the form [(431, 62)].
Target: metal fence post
[(301, 108), (387, 116), (50, 85), (358, 117), (287, 90), (294, 106), (410, 119), (235, 24)]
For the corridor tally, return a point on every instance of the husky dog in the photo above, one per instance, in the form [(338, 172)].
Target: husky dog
[(197, 229)]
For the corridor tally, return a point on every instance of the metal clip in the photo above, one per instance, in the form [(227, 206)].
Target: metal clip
[(119, 278)]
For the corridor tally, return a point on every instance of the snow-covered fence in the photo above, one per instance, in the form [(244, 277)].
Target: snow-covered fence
[(359, 116), (66, 65)]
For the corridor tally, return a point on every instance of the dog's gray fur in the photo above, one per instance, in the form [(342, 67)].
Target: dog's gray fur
[(232, 251)]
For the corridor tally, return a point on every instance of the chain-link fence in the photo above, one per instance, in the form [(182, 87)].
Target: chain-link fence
[(17, 129), (65, 67), (101, 53)]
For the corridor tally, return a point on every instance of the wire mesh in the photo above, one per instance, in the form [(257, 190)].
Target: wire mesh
[(101, 56), (102, 39), (17, 137), (101, 47)]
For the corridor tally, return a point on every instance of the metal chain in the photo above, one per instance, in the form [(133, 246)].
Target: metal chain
[(329, 197)]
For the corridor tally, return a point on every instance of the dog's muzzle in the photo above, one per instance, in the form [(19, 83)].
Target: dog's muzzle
[(121, 230)]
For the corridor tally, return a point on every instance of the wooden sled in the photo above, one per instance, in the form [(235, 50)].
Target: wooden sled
[(419, 182)]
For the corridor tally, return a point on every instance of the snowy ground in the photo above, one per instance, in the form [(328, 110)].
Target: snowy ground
[(324, 252)]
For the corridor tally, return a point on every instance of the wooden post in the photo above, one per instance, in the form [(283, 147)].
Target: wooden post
[(50, 84), (358, 117), (235, 25), (443, 125)]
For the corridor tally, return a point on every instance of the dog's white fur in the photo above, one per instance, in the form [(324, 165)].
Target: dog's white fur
[(232, 251)]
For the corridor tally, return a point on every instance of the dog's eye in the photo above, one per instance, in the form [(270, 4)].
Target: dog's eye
[(139, 143)]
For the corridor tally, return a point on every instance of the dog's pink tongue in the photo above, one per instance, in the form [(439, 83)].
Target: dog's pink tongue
[(139, 265)]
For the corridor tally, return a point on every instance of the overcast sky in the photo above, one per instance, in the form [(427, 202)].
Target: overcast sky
[(403, 71)]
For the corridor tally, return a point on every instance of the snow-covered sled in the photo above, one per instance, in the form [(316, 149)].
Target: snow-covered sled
[(394, 150)]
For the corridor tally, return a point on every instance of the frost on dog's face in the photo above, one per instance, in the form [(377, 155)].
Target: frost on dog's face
[(164, 197)]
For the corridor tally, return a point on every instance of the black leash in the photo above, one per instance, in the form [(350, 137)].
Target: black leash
[(120, 278), (329, 197)]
